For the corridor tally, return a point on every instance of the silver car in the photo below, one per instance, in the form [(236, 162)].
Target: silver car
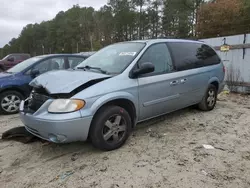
[(120, 85)]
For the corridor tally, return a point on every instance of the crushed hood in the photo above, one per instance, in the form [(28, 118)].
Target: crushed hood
[(65, 81)]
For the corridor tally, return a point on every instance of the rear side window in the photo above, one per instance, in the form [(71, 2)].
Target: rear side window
[(25, 56), (189, 55), (18, 57)]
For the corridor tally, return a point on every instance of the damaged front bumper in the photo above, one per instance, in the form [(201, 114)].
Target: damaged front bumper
[(58, 128)]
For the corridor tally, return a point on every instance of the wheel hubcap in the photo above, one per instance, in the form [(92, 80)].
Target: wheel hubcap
[(10, 103), (114, 129), (211, 98)]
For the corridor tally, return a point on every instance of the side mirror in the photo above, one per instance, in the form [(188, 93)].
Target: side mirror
[(11, 59), (34, 73), (144, 69)]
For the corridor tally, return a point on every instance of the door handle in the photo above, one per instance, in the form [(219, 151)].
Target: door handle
[(183, 80), (173, 83)]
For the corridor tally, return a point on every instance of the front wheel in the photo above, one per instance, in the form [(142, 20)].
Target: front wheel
[(110, 128), (9, 102), (209, 100)]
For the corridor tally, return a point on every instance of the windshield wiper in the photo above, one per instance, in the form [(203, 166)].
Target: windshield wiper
[(95, 68)]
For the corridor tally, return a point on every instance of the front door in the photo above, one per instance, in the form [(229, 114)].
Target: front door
[(159, 92)]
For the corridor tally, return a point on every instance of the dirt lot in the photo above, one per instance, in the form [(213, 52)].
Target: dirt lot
[(164, 152)]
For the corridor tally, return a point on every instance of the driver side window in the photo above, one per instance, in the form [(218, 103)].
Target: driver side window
[(42, 67), (50, 64), (159, 56), (12, 57)]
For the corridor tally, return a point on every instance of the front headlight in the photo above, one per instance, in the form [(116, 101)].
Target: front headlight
[(66, 105)]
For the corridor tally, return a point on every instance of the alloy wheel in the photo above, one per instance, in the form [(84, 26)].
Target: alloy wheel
[(114, 129), (211, 98), (10, 103)]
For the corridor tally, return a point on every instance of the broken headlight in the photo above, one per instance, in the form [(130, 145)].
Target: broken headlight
[(66, 105)]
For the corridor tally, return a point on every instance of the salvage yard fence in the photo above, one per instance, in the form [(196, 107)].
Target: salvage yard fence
[(235, 54)]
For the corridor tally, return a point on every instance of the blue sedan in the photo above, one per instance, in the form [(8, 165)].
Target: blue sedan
[(14, 83)]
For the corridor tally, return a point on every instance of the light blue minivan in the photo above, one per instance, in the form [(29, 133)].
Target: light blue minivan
[(120, 85)]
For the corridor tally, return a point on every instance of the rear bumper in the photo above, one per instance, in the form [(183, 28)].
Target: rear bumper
[(70, 128)]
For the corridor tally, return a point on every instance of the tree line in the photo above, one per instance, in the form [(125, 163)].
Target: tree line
[(86, 29)]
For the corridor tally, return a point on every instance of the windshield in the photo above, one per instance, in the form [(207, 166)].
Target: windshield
[(6, 57), (23, 65), (115, 58)]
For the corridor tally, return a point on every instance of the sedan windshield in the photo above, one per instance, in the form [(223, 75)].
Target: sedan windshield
[(6, 57), (113, 59), (23, 65)]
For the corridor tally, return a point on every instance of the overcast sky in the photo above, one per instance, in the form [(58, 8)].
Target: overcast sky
[(15, 14)]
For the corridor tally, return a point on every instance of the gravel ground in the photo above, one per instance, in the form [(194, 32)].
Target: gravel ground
[(164, 152)]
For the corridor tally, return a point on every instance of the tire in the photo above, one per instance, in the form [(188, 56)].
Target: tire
[(15, 98), (1, 69), (110, 128), (209, 100)]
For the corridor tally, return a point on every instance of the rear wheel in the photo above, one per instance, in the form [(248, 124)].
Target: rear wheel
[(9, 102), (209, 100), (110, 128)]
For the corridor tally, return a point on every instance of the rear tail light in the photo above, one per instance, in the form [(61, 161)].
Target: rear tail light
[(224, 69)]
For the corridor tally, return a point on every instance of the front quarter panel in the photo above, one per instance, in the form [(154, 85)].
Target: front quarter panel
[(95, 103), (118, 87), (113, 96), (20, 82)]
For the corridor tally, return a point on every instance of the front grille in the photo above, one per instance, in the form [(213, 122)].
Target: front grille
[(37, 100)]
